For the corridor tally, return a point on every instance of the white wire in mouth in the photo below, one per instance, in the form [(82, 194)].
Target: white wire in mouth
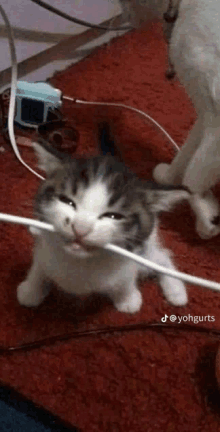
[(116, 249)]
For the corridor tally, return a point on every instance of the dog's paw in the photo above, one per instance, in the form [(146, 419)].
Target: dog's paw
[(207, 211)]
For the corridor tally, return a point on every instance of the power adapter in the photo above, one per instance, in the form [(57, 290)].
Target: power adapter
[(37, 108), (36, 103)]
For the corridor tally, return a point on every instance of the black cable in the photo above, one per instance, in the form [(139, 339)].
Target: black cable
[(159, 327), (76, 20)]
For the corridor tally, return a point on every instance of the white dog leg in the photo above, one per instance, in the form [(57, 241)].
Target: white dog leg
[(173, 174), (203, 173)]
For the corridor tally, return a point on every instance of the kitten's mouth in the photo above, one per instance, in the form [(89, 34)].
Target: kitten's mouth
[(75, 245)]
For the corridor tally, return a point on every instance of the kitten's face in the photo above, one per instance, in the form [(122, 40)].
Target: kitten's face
[(92, 202)]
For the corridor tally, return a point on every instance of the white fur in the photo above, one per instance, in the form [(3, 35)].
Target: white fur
[(174, 289), (91, 203), (79, 271), (194, 52)]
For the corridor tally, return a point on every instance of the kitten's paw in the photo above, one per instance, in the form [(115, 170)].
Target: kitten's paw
[(131, 304), (27, 296), (175, 292), (160, 173)]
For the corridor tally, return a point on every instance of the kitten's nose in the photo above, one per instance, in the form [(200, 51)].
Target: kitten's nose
[(80, 232), (83, 224)]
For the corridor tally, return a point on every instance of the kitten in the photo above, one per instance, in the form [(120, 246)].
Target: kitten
[(92, 202)]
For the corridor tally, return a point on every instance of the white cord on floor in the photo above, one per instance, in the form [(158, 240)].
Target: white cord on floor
[(120, 105), (116, 249)]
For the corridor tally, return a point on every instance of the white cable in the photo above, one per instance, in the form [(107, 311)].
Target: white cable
[(143, 261), (174, 273), (25, 221), (14, 75), (120, 105)]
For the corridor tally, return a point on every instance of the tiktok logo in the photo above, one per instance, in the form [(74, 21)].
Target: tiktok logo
[(164, 319)]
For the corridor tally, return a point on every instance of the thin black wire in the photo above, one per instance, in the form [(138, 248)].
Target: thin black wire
[(159, 327), (76, 20)]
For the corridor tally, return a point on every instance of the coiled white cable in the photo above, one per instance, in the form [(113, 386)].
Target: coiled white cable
[(116, 249)]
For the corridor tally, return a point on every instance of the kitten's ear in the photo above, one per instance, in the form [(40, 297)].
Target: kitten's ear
[(163, 198), (49, 160), (107, 141)]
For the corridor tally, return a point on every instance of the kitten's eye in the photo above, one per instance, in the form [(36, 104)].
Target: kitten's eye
[(116, 216), (67, 201)]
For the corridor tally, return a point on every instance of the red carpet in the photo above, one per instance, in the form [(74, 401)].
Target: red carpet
[(140, 381)]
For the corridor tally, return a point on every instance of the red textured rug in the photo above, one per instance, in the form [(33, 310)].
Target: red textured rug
[(144, 380)]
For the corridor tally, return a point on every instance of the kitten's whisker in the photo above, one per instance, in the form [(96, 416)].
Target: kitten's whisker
[(131, 238)]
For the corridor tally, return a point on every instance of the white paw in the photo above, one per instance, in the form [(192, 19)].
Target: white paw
[(160, 173), (35, 231), (206, 208), (27, 296), (207, 230), (131, 304), (176, 293)]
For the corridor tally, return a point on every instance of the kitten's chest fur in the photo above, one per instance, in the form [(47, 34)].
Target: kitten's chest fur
[(100, 273)]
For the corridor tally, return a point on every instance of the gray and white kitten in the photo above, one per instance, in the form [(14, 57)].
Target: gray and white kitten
[(92, 202)]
